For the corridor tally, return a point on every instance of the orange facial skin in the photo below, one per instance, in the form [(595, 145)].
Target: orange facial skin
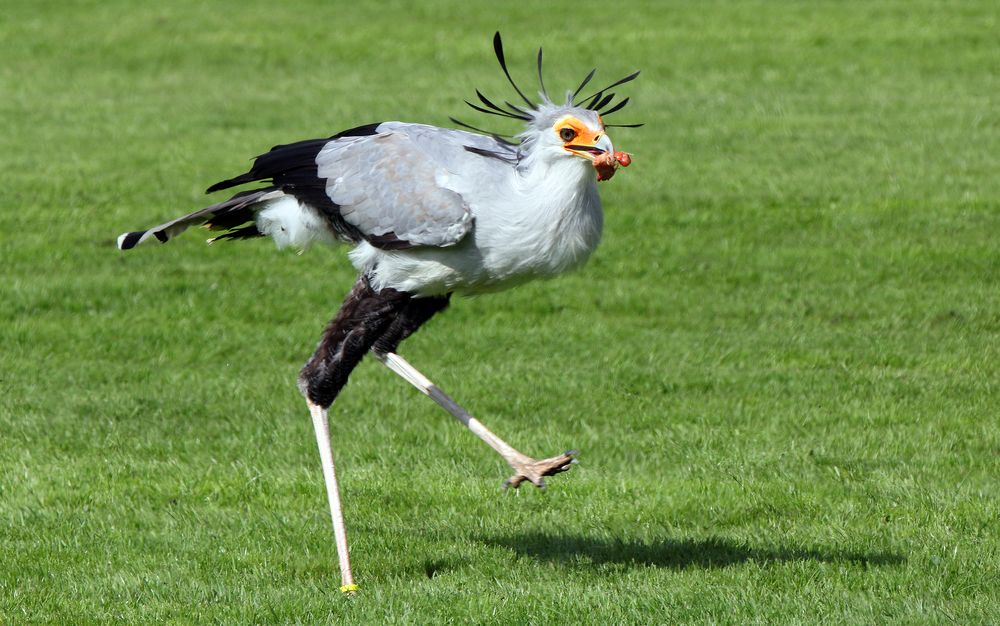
[(580, 140), (577, 137)]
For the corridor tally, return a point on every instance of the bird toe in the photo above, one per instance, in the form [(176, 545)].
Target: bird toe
[(536, 471)]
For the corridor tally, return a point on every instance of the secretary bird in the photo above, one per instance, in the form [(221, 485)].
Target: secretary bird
[(430, 212)]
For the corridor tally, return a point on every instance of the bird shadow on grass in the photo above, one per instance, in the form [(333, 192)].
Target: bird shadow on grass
[(676, 554)]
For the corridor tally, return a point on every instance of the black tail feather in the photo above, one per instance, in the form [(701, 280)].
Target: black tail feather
[(247, 232), (230, 214)]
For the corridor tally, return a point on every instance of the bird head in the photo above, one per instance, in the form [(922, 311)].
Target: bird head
[(576, 133), (574, 129)]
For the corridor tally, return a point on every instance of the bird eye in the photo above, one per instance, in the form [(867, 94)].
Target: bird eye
[(567, 134)]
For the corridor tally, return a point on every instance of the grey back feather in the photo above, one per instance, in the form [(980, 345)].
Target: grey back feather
[(404, 185), (396, 181)]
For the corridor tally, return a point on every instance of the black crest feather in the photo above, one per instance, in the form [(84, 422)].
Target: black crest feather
[(600, 99), (541, 83), (617, 107), (498, 48), (584, 83), (622, 81)]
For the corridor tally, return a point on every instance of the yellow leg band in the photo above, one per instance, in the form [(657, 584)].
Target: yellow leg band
[(348, 588)]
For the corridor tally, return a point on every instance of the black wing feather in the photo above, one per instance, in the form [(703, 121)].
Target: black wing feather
[(292, 169)]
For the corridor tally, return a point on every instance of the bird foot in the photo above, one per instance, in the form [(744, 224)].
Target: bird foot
[(527, 468)]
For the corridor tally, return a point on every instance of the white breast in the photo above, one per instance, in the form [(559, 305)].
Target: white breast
[(537, 226)]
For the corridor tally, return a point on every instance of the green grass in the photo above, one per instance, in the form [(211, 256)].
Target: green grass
[(780, 367)]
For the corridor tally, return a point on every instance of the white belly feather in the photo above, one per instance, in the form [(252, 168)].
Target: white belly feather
[(291, 224)]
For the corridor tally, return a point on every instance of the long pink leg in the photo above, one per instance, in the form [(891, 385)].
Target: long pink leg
[(322, 427)]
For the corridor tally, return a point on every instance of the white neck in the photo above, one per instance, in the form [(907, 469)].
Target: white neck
[(552, 221)]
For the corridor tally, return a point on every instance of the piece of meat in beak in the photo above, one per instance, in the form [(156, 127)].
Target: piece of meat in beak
[(607, 163)]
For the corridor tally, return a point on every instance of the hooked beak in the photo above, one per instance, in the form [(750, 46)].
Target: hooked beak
[(593, 150), (600, 153)]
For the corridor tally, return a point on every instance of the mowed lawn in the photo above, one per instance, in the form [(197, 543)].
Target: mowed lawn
[(780, 368)]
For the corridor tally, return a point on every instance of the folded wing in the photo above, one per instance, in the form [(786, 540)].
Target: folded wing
[(392, 184), (392, 192)]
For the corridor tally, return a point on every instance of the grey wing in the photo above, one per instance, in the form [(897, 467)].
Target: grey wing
[(452, 147), (388, 187)]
